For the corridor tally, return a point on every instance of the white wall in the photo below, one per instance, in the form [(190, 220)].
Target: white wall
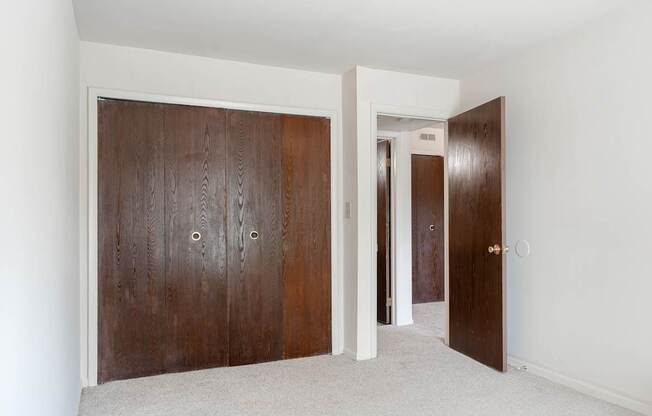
[(579, 188), (39, 293), (401, 94), (156, 72), (425, 147), (161, 73), (349, 133)]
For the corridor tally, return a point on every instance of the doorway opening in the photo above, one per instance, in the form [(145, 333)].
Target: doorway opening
[(474, 246), (410, 222)]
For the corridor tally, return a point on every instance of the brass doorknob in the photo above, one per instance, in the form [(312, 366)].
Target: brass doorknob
[(495, 249)]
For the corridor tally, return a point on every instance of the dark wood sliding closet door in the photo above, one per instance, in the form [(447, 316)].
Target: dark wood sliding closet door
[(195, 231), (214, 238), (254, 237), (162, 291), (306, 236), (131, 240)]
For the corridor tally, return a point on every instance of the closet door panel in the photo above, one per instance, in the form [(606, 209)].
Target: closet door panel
[(196, 237), (306, 236), (131, 272), (254, 253)]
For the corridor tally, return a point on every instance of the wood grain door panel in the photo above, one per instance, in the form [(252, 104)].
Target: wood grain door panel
[(383, 257), (195, 190), (131, 270), (306, 236), (170, 302), (476, 220), (254, 265), (427, 228)]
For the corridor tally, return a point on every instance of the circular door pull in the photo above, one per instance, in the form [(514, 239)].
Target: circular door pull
[(196, 236), (432, 227), (253, 235)]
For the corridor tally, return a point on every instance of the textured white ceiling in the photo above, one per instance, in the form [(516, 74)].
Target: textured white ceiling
[(447, 38)]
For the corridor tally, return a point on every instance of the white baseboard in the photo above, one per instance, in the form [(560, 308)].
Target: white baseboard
[(404, 323), (357, 356), (350, 353), (584, 387)]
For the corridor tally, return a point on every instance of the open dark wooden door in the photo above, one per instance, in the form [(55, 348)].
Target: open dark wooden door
[(383, 258), (476, 140), (427, 228)]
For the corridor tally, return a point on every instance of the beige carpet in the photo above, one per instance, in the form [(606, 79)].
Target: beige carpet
[(414, 374)]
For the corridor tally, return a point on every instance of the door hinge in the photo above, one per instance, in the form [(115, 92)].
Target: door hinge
[(389, 302), (388, 163)]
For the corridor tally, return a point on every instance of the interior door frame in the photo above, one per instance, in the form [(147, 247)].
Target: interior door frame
[(404, 112), (89, 234)]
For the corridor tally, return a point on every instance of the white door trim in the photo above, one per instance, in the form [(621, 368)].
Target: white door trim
[(407, 112), (89, 246)]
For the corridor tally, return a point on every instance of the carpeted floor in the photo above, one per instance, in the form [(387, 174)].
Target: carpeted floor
[(414, 374)]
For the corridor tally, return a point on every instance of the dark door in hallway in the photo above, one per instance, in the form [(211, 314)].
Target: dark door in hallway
[(214, 237), (383, 255), (427, 228), (476, 233)]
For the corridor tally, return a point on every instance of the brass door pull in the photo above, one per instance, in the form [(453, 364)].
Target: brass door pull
[(495, 249)]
